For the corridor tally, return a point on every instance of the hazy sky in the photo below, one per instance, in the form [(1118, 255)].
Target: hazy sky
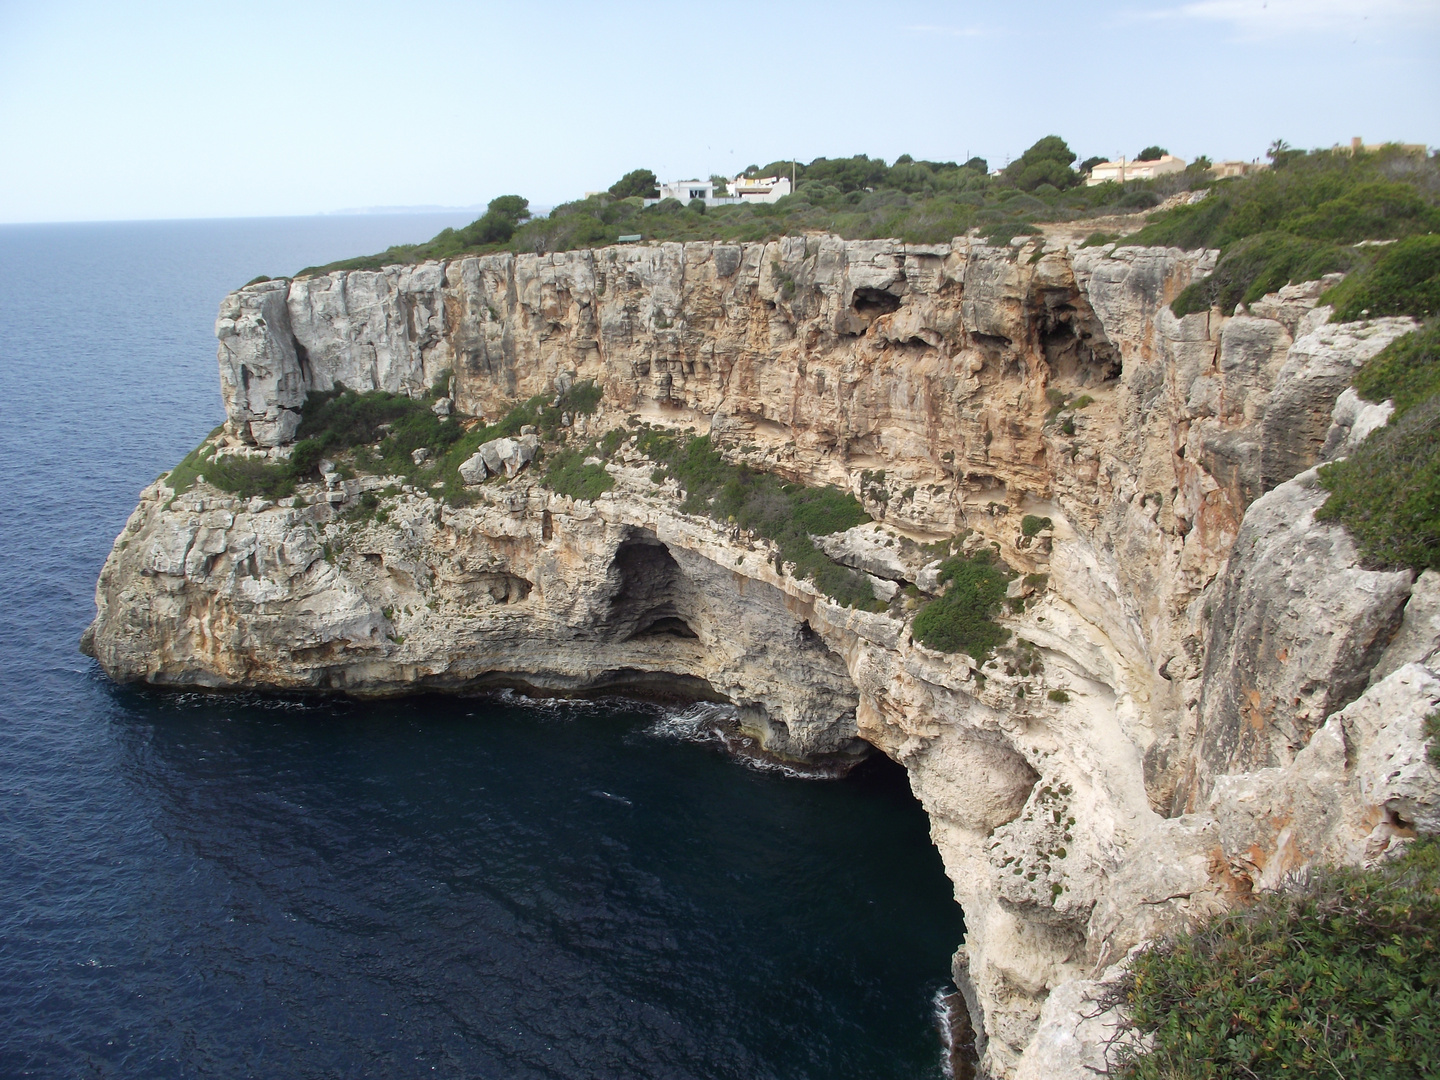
[(162, 110)]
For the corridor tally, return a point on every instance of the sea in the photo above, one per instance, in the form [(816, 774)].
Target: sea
[(212, 885)]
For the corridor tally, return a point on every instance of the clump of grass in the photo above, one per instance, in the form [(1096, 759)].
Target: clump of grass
[(1060, 697), (962, 618), (787, 514), (1262, 264), (193, 465), (1338, 976), (567, 474)]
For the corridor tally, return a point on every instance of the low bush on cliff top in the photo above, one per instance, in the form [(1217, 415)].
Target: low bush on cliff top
[(962, 618), (1387, 493), (787, 514), (1339, 977), (1404, 279), (1301, 219), (858, 198)]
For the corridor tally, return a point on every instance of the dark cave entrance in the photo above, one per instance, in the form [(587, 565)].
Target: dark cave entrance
[(653, 597)]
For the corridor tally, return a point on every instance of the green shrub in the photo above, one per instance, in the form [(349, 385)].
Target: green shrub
[(1260, 264), (1387, 493), (640, 183), (182, 478), (1406, 371), (583, 398), (1299, 220), (1339, 976), (962, 618), (248, 477), (1060, 697), (1432, 732), (1030, 525), (1403, 280), (568, 474)]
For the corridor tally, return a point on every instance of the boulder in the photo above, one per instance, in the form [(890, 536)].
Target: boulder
[(502, 455)]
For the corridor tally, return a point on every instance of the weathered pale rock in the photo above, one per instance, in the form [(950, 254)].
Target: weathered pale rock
[(1317, 368), (1351, 423), (1296, 626), (870, 548), (261, 379), (1418, 639), (920, 377)]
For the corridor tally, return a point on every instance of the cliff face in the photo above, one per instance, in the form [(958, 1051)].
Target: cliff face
[(1205, 691)]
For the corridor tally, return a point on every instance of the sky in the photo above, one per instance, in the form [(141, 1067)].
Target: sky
[(139, 110)]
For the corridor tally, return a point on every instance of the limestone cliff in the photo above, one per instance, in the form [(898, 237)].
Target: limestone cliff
[(1204, 691)]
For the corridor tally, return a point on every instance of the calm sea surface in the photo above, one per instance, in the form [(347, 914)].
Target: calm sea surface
[(195, 885)]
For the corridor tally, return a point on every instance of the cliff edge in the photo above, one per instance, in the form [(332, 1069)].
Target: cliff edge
[(1203, 688)]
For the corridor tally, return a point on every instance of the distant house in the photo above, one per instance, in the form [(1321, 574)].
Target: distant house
[(1122, 170), (760, 189), (685, 190), (742, 189), (1225, 170), (1357, 144)]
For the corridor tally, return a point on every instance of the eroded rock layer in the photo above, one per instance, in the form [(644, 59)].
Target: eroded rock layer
[(1204, 688)]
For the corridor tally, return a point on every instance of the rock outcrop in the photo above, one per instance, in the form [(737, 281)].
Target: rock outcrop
[(1204, 688)]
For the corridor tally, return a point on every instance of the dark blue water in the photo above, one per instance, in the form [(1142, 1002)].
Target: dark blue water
[(218, 886)]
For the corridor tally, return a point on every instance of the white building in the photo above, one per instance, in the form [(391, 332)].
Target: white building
[(1122, 170), (685, 190), (760, 189)]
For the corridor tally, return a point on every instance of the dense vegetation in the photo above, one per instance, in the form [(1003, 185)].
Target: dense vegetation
[(857, 198), (378, 432), (787, 514), (1339, 976), (1387, 493), (1302, 218), (962, 619)]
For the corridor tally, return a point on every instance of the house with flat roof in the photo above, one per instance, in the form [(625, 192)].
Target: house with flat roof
[(760, 189), (1122, 170), (1225, 170), (685, 190)]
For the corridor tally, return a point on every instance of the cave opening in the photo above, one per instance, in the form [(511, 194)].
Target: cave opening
[(652, 597), (1074, 346), (872, 303)]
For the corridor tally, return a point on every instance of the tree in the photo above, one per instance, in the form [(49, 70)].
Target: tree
[(977, 164), (1090, 163), (640, 182), (1281, 153), (1047, 162), (720, 182), (514, 207), (1151, 153)]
